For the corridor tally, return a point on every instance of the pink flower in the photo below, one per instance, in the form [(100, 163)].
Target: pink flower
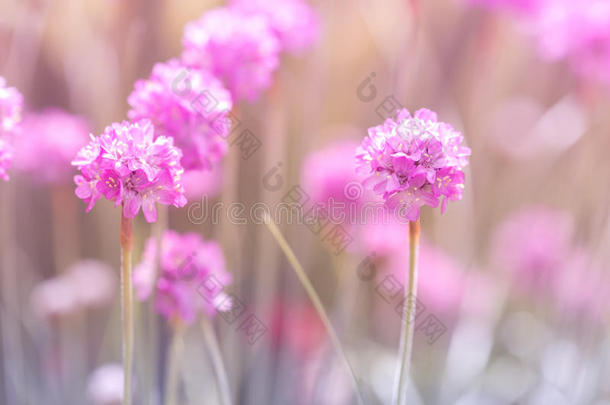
[(533, 244), (576, 31), (293, 21), (186, 104), (131, 166), (239, 48), (414, 161), (11, 104), (191, 277), (202, 183), (57, 136)]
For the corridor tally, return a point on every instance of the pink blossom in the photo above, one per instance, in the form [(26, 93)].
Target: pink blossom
[(202, 183), (188, 105), (533, 245), (131, 166), (188, 265), (294, 22), (239, 48), (57, 136), (11, 104), (414, 161)]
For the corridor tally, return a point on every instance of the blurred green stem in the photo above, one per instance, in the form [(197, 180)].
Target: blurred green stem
[(219, 368), (317, 303), (171, 378), (406, 336), (127, 304)]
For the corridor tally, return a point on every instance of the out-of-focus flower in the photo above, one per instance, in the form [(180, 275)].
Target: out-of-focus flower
[(54, 135), (188, 105), (11, 104), (414, 161), (239, 48), (191, 278), (294, 22), (532, 244), (105, 386), (131, 166), (202, 183), (577, 31), (88, 284), (441, 281)]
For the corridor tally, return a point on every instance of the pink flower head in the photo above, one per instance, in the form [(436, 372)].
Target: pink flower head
[(577, 31), (55, 135), (186, 104), (131, 166), (294, 22), (414, 161), (533, 244), (191, 278), (11, 104), (239, 48)]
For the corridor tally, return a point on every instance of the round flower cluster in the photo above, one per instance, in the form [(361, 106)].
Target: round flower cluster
[(414, 161), (293, 21), (11, 104), (239, 48), (131, 166), (57, 136), (191, 279), (188, 105)]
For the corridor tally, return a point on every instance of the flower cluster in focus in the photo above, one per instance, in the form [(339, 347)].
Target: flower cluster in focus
[(413, 161), (185, 104), (131, 166), (186, 262), (11, 104)]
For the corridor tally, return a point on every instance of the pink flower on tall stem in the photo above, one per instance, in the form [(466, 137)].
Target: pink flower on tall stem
[(57, 136), (191, 270), (413, 161), (130, 166), (240, 49), (294, 22), (11, 104), (188, 105)]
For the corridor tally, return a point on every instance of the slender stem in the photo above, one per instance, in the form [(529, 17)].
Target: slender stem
[(406, 336), (317, 303), (217, 362), (127, 304), (171, 378)]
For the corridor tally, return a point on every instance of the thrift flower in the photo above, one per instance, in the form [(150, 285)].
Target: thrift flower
[(57, 136), (11, 104), (132, 167), (414, 161), (185, 104), (190, 280), (239, 48), (293, 21)]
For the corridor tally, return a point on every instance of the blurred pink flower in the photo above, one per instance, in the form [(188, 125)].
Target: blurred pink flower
[(11, 104), (88, 284), (131, 166), (294, 22), (186, 104), (414, 161), (188, 265), (533, 244), (202, 183), (241, 49), (57, 136), (441, 281), (105, 386), (577, 31)]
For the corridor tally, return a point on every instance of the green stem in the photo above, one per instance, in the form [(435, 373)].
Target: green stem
[(217, 362), (171, 378), (317, 303), (406, 336), (127, 304)]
